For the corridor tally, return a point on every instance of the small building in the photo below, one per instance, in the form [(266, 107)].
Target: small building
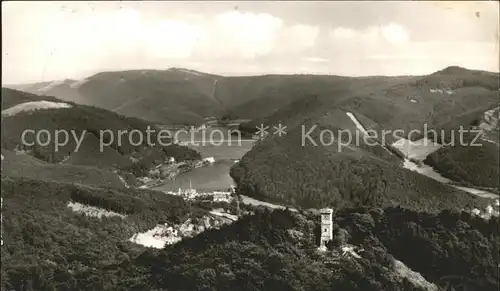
[(326, 226), (209, 160), (221, 196)]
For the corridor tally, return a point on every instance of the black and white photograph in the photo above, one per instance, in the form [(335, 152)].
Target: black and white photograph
[(250, 146)]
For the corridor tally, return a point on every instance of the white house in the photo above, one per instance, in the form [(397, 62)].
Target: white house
[(210, 160)]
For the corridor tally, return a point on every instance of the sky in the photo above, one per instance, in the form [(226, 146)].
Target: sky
[(45, 41)]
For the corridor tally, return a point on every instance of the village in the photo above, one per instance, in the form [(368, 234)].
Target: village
[(215, 196), (170, 169)]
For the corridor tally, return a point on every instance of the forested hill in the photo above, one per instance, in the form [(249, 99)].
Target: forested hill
[(270, 250), (277, 251), (291, 169), (183, 96), (319, 177), (393, 228), (49, 246), (23, 111)]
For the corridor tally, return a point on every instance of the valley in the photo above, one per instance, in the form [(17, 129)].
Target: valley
[(416, 152), (129, 214), (250, 146)]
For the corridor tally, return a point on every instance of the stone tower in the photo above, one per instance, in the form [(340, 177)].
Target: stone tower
[(326, 226)]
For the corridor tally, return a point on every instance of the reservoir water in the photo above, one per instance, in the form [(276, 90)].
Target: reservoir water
[(226, 150), (226, 153)]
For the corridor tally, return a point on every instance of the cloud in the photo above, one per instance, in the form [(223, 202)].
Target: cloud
[(130, 34), (343, 33), (389, 49), (249, 33), (439, 54), (316, 60), (299, 37), (56, 40), (395, 33), (392, 33), (171, 39)]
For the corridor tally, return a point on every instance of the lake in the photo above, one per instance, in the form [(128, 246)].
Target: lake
[(216, 176), (210, 178), (226, 150)]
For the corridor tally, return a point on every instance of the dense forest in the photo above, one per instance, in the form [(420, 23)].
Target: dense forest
[(183, 96), (468, 165), (386, 102), (277, 251), (26, 166), (289, 171), (406, 231), (471, 160), (283, 171), (123, 153), (49, 247)]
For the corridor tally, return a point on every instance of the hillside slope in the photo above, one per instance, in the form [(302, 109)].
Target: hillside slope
[(285, 170), (83, 123), (265, 251), (473, 165), (49, 246), (440, 101), (383, 213), (282, 170), (181, 96), (174, 96), (21, 165)]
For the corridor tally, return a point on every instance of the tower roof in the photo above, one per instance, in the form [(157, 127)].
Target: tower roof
[(326, 211)]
